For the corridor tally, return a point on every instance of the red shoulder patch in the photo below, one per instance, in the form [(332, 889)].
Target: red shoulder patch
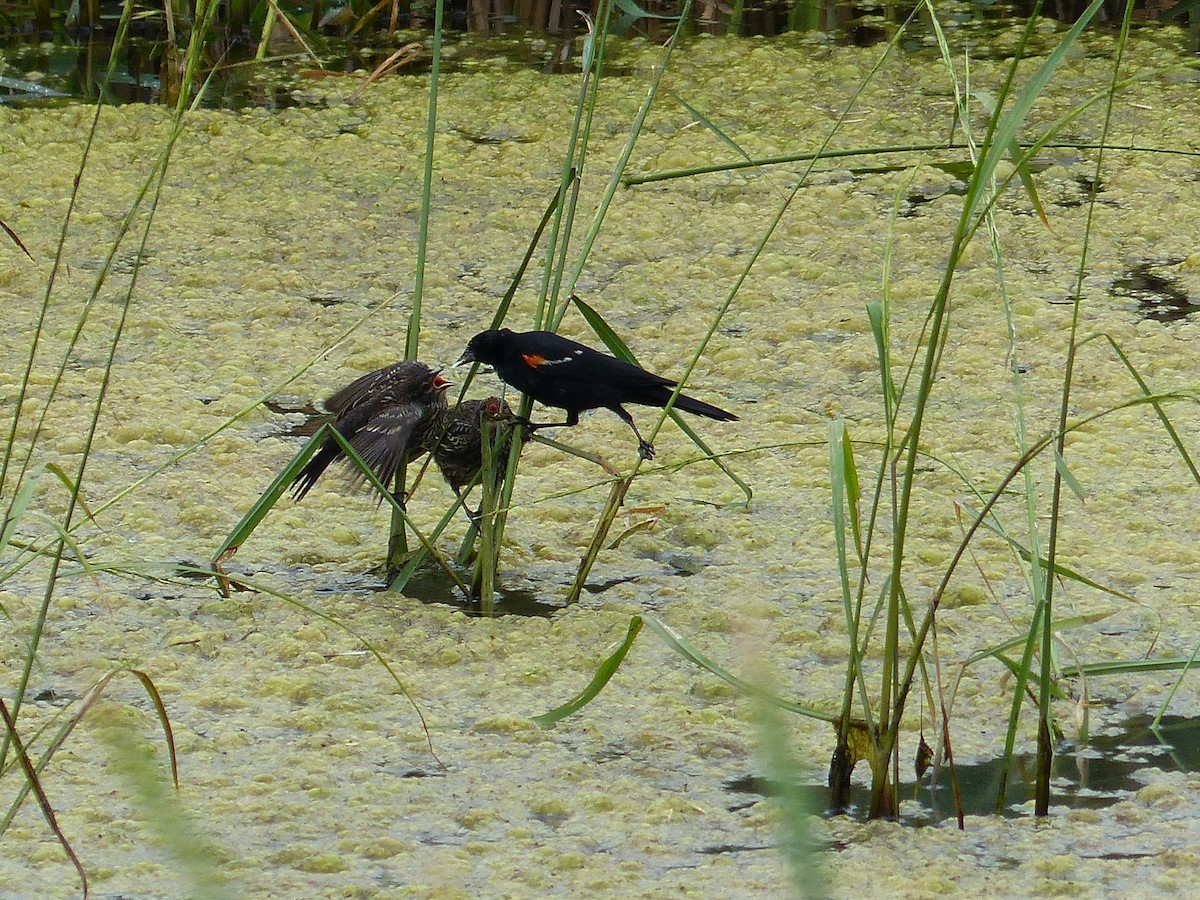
[(532, 360)]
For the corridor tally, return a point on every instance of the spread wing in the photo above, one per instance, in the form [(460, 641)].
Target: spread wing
[(385, 440)]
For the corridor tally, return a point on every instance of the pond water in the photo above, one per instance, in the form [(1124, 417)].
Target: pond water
[(280, 263)]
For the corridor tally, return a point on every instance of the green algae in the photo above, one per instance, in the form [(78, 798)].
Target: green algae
[(300, 758)]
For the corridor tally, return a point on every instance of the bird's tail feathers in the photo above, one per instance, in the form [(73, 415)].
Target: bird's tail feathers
[(330, 450), (700, 408)]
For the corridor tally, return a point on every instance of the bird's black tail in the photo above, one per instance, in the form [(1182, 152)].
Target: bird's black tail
[(700, 408), (308, 476)]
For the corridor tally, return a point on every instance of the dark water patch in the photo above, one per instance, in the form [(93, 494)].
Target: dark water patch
[(684, 565), (429, 585), (719, 849), (1159, 297), (1091, 777), (432, 585), (500, 135), (921, 194), (54, 698), (1081, 190), (72, 60), (599, 587)]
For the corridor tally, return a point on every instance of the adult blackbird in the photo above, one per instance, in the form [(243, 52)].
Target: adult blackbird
[(559, 372), (386, 415), (458, 447)]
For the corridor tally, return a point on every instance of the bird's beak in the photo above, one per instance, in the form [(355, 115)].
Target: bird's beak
[(440, 383), (467, 357)]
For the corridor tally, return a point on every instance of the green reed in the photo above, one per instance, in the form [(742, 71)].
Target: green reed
[(892, 639), (397, 542), (53, 549)]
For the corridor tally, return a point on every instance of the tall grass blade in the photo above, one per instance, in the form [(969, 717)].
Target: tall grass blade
[(483, 586), (1064, 472), (1001, 133), (16, 509), (164, 720), (12, 236), (197, 862), (843, 479), (622, 163), (689, 652), (574, 158), (796, 841), (397, 540), (612, 506), (1045, 754), (607, 669), (1019, 159), (711, 454), (1130, 666), (1176, 441), (155, 178), (271, 495), (412, 338), (81, 710), (35, 784), (673, 640), (621, 350)]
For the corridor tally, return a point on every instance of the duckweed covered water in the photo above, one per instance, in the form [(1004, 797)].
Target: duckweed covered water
[(300, 759)]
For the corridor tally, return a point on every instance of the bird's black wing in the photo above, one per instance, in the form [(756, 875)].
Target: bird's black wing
[(558, 357)]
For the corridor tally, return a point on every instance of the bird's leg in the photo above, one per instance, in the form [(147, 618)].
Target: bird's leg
[(572, 420), (645, 448), (472, 515)]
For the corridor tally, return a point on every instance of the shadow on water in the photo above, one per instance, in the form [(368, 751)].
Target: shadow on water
[(433, 586), (1093, 777), (429, 585)]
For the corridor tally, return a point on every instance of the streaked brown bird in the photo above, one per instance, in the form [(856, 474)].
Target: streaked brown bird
[(387, 416), (559, 372), (458, 448)]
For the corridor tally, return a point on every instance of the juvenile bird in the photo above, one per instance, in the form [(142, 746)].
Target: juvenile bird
[(559, 372), (386, 415), (458, 448)]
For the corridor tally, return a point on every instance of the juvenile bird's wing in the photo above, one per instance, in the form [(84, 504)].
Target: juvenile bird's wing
[(385, 440), (383, 386)]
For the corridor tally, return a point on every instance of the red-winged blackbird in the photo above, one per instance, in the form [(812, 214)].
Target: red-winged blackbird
[(559, 372), (386, 415), (458, 447)]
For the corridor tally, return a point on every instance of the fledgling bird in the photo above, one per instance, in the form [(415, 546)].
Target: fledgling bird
[(458, 447), (386, 415), (556, 371)]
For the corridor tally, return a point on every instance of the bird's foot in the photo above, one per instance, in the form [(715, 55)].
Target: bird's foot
[(645, 449)]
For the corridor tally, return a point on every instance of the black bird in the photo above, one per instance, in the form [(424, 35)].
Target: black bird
[(458, 448), (386, 415), (559, 372)]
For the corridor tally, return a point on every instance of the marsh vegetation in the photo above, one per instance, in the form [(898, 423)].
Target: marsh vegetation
[(954, 522)]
